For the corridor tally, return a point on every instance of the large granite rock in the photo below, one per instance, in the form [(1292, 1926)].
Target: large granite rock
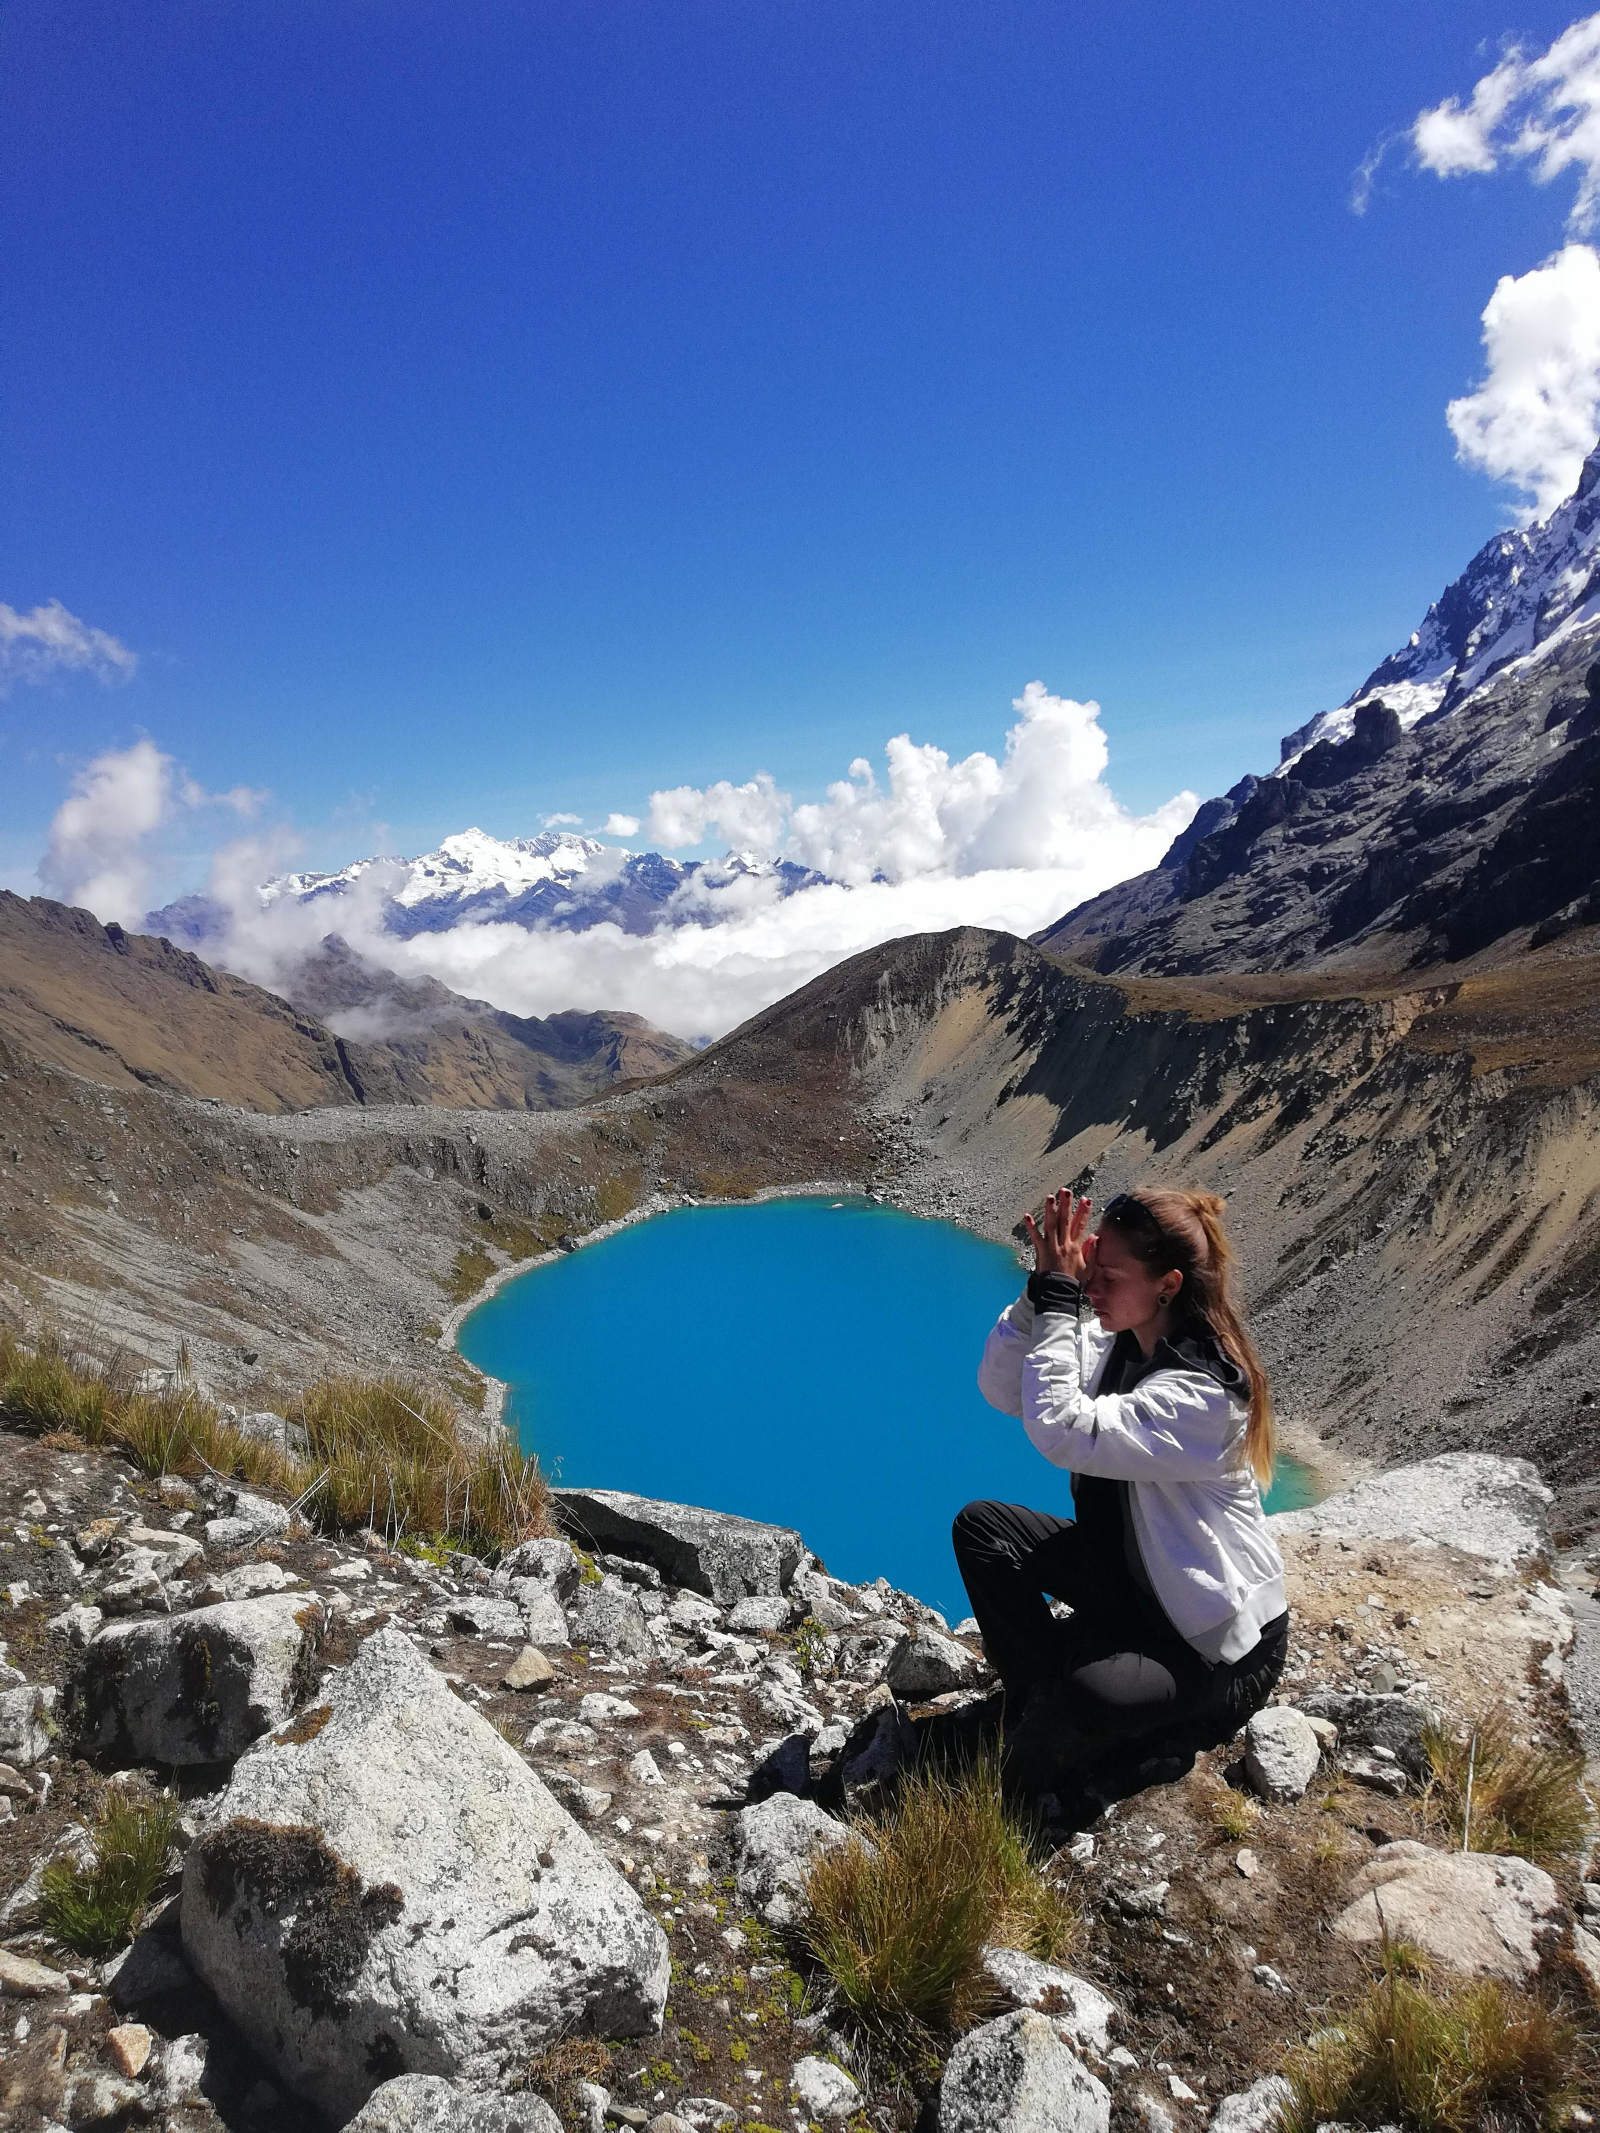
[(26, 1724), (1475, 1911), (423, 2103), (194, 1688), (774, 1843), (1476, 1501), (709, 1551), (1257, 2109), (1281, 1752), (925, 1664), (609, 1614), (392, 1890), (1015, 2075), (1080, 2011)]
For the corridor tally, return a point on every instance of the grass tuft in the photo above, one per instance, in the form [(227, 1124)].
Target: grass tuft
[(1526, 1801), (387, 1453), (900, 1915), (1232, 1815), (97, 1907), (555, 2070), (1473, 2057), (383, 1451)]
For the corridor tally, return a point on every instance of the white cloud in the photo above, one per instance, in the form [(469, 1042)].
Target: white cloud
[(1010, 841), (700, 980), (562, 821), (98, 853), (748, 817), (1534, 417), (1042, 804), (1541, 110), (47, 641), (613, 825)]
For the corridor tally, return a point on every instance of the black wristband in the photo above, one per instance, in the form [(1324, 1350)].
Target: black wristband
[(1053, 1293)]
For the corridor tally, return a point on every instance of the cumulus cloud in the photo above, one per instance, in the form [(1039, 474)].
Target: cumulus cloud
[(562, 821), (48, 641), (616, 825), (701, 980), (99, 851), (748, 817), (1010, 841), (1534, 417), (1540, 110)]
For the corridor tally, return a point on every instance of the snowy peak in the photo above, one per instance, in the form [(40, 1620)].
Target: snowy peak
[(556, 880), (1522, 592)]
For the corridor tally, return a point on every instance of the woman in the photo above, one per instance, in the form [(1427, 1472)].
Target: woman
[(1157, 1405)]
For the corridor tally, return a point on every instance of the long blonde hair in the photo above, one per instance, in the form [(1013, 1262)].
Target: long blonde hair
[(1182, 1232)]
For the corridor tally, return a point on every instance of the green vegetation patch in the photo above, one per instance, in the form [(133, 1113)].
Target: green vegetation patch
[(899, 1916), (96, 1908), (1526, 1801), (385, 1452), (1436, 2058)]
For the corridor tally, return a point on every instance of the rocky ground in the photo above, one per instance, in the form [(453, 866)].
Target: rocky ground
[(437, 1817)]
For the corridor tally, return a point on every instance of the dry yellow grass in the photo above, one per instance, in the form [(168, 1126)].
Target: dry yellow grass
[(383, 1452), (1526, 1801), (1454, 2057), (900, 1915)]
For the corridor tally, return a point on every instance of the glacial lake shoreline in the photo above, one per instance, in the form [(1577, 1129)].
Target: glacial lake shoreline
[(806, 1358)]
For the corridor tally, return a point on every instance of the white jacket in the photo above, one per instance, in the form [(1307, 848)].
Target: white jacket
[(1178, 1439)]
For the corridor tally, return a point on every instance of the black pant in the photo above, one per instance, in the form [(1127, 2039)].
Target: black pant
[(1011, 1557)]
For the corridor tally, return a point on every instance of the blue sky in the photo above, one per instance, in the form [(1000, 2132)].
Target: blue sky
[(468, 411)]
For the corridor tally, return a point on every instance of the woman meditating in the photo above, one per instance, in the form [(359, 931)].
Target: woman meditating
[(1129, 1366)]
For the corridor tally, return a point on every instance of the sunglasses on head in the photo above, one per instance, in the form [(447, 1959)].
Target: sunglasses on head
[(1128, 1212)]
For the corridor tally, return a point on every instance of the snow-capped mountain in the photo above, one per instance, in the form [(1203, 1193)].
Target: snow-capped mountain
[(553, 880), (1444, 810), (1521, 590)]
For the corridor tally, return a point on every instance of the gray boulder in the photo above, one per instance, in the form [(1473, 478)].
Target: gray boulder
[(26, 1726), (544, 1619), (1080, 2012), (1281, 1752), (774, 1843), (927, 1664), (709, 1551), (765, 1613), (547, 1562), (423, 2103), (824, 2090), (250, 1519), (396, 1892), (1396, 1724), (486, 1618), (1015, 2075), (264, 1427), (1484, 1505), (1474, 1911), (1257, 2109), (609, 1614), (877, 1748), (194, 1688)]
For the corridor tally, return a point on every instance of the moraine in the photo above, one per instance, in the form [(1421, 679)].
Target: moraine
[(804, 1361)]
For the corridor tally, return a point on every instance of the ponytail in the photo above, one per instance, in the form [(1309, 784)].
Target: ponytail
[(1183, 1232)]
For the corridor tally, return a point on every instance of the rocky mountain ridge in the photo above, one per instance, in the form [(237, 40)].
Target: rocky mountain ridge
[(1441, 814), (605, 1766), (129, 1010), (554, 879), (1372, 1143)]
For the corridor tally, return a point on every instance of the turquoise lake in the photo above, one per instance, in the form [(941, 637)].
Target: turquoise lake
[(804, 1361)]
